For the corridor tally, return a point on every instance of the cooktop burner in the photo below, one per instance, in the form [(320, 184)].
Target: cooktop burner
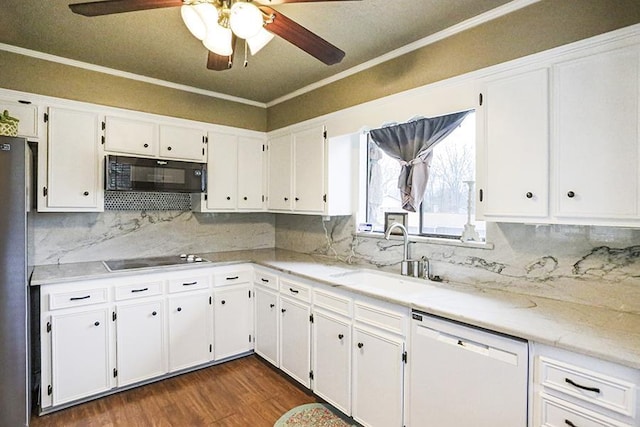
[(137, 263)]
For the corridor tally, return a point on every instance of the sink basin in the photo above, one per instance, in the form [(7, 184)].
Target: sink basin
[(381, 282)]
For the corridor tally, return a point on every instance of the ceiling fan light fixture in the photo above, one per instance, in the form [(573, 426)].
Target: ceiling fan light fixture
[(260, 40), (218, 40), (245, 20), (195, 17)]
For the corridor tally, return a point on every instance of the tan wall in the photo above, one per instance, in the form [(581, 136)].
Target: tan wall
[(539, 27), (27, 74)]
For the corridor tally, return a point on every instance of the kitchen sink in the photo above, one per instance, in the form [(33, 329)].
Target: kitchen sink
[(152, 262), (378, 281)]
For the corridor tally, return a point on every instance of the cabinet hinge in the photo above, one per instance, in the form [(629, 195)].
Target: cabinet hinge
[(263, 147), (310, 374), (49, 390), (324, 134), (102, 139), (49, 329), (205, 197), (203, 151), (249, 337), (404, 357), (45, 192), (480, 99), (481, 195), (210, 300), (114, 316), (263, 198), (104, 125), (311, 318), (249, 293), (210, 348), (324, 198), (115, 372), (46, 117)]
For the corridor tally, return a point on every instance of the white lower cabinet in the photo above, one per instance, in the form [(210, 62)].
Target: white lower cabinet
[(79, 354), (266, 324), (190, 340), (232, 320), (295, 339), (140, 341)]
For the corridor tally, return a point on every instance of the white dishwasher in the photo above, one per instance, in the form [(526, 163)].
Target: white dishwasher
[(461, 376)]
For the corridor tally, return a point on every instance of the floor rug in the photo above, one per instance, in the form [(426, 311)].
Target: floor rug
[(311, 415)]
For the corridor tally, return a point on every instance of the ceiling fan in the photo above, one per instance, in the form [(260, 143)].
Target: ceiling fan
[(219, 23)]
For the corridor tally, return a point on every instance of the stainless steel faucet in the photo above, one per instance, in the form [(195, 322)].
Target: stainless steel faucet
[(405, 265)]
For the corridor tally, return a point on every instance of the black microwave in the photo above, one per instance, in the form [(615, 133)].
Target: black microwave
[(143, 174)]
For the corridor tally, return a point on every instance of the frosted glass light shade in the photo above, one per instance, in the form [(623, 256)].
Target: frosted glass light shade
[(259, 41), (245, 20), (218, 40), (197, 17)]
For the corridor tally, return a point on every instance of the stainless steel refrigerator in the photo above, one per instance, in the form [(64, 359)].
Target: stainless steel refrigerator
[(14, 336)]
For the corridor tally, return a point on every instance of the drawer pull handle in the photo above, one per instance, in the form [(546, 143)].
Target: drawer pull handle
[(294, 291), (79, 298), (569, 423), (265, 280), (583, 387), (140, 290), (232, 278), (190, 283)]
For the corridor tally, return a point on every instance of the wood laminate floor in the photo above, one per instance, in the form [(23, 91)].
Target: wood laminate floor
[(245, 392)]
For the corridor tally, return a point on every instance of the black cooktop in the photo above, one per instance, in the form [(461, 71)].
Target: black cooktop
[(151, 262)]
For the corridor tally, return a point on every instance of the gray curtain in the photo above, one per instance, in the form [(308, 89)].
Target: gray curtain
[(412, 145)]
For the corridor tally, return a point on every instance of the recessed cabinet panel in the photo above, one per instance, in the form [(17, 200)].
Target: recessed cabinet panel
[(309, 166), (27, 114), (222, 186), (129, 136), (596, 131), (280, 173), (295, 339), (267, 337), (516, 123), (189, 335), (250, 173), (73, 163), (233, 321), (182, 143)]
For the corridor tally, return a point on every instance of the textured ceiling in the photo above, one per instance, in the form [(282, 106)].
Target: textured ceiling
[(155, 43)]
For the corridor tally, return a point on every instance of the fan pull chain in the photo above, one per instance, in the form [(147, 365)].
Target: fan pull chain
[(246, 61)]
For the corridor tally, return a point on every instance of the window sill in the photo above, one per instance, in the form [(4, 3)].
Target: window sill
[(430, 240)]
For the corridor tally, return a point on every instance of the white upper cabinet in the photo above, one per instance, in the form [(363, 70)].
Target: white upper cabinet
[(130, 136), (182, 143), (26, 113), (513, 147), (251, 173), (73, 162), (596, 132), (309, 173)]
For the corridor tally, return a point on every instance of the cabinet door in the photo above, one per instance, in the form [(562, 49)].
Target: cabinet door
[(140, 343), (233, 320), (130, 136), (182, 143), (79, 354), (222, 184), (26, 113), (295, 340), (309, 161), (596, 131), (332, 360), (250, 173), (377, 378), (266, 332), (280, 169), (190, 341), (516, 146), (73, 177)]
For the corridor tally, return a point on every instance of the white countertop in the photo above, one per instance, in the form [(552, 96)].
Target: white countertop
[(601, 332)]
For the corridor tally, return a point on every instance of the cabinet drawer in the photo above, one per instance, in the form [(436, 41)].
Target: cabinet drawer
[(138, 290), (330, 301), (231, 277), (557, 413), (594, 387), (190, 283), (267, 280), (295, 290), (77, 298), (392, 321)]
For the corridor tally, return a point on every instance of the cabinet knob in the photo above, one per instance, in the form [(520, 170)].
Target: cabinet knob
[(97, 324), (245, 197), (529, 195), (571, 194), (179, 308), (340, 336), (168, 148), (286, 199), (154, 313), (360, 345), (228, 197), (146, 145), (297, 199), (283, 310), (271, 305), (86, 193), (223, 302)]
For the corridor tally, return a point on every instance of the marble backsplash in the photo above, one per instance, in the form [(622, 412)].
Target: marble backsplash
[(60, 238), (591, 265)]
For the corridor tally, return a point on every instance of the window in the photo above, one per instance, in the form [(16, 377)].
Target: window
[(444, 211)]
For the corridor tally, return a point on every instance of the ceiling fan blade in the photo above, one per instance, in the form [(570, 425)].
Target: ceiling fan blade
[(299, 36), (108, 7), (272, 2), (217, 62)]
